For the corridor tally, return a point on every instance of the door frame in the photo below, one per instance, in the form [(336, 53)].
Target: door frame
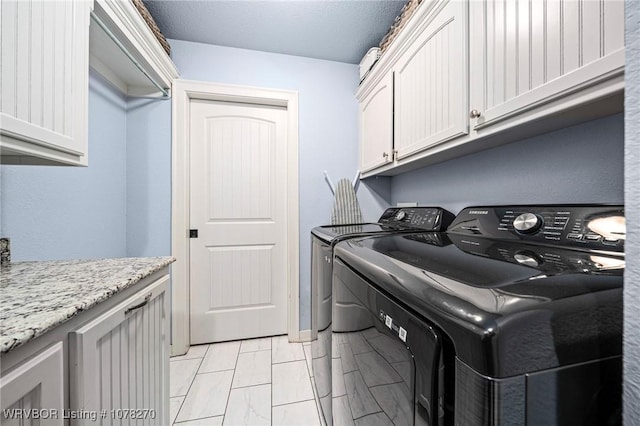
[(183, 92)]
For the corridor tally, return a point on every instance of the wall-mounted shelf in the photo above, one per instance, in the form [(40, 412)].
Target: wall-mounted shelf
[(121, 20)]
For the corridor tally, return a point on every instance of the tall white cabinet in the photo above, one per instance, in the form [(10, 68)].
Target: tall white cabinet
[(44, 79)]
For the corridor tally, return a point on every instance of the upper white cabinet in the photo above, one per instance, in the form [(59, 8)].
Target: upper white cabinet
[(525, 54), (47, 47), (469, 75), (376, 124), (44, 80), (431, 85)]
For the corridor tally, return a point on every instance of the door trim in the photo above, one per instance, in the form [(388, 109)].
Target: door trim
[(183, 92)]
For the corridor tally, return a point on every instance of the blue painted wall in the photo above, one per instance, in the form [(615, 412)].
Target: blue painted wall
[(52, 212), (327, 125), (578, 164), (148, 177)]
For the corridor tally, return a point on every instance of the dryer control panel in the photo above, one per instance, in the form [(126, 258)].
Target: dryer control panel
[(582, 227), (421, 218)]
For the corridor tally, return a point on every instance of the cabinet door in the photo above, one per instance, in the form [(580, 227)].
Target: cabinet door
[(525, 53), (45, 50), (431, 82), (32, 393), (376, 125), (119, 362)]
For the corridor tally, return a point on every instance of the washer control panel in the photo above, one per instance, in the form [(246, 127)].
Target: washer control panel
[(588, 227), (421, 218), (527, 223)]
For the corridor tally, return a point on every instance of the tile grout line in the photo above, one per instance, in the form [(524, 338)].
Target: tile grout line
[(226, 407), (192, 380), (288, 362), (294, 402), (316, 397), (308, 378), (271, 393), (271, 387), (216, 371), (199, 418)]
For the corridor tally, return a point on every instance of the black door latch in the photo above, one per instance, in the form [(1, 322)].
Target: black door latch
[(193, 233)]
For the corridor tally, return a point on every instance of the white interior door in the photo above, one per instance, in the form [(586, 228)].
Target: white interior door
[(238, 193)]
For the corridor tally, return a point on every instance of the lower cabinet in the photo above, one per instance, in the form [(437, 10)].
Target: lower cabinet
[(119, 362), (32, 393), (108, 367)]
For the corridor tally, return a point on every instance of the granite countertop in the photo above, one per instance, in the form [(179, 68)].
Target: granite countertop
[(37, 296)]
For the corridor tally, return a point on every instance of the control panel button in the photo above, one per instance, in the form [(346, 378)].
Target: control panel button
[(527, 258), (574, 236), (400, 215), (527, 223), (592, 237)]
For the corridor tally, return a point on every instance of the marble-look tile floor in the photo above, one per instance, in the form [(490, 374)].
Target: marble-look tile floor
[(265, 381)]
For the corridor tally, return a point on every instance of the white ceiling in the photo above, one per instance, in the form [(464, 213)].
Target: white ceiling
[(336, 30)]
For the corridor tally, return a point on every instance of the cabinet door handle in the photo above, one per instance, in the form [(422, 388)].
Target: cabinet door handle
[(139, 305), (475, 113), (385, 155)]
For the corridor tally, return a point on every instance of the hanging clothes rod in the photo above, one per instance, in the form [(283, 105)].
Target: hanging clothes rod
[(112, 36)]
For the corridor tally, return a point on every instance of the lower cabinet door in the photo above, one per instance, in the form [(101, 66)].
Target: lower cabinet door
[(32, 393), (119, 362)]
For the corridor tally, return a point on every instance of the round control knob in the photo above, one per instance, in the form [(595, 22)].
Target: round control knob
[(400, 215), (527, 258), (475, 113), (527, 223)]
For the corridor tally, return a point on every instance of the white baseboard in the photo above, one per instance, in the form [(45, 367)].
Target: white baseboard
[(305, 335)]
